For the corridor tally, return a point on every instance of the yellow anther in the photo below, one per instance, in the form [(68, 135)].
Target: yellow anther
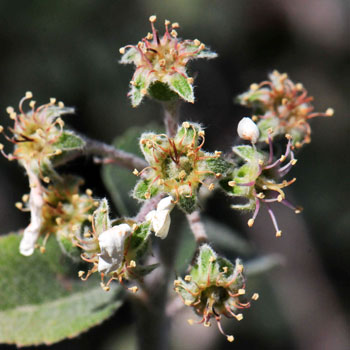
[(212, 259), (143, 91), (201, 133), (175, 25), (88, 192), (232, 183), (46, 179), (261, 162), (211, 187), (75, 227), (239, 317), (299, 86), (29, 94), (293, 161), (190, 322), (330, 112), (188, 278), (225, 269), (153, 18), (190, 80), (260, 195), (177, 283), (298, 210), (283, 158), (288, 136), (19, 205), (58, 152), (149, 36), (135, 172), (52, 100), (90, 217), (230, 338), (75, 197), (87, 235), (241, 291), (13, 116), (217, 153), (279, 233), (10, 110), (279, 198), (96, 203), (58, 221), (81, 273), (207, 324), (254, 86), (217, 175), (134, 227), (1, 146), (166, 22), (255, 296), (42, 250), (196, 42), (284, 101), (25, 198), (250, 222), (201, 47), (162, 62), (173, 33), (255, 118), (1, 129), (132, 264), (133, 289), (61, 104), (147, 195), (188, 302), (122, 50)]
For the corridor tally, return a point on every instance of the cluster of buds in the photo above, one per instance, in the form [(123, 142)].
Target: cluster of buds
[(214, 287), (60, 210), (282, 106), (115, 250), (178, 166), (161, 64), (258, 179), (36, 133)]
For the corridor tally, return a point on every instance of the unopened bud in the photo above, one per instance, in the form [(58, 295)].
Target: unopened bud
[(248, 130)]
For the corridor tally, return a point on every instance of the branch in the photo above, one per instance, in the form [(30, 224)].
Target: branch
[(171, 117), (197, 227), (109, 154)]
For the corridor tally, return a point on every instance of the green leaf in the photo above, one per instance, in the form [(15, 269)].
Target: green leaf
[(42, 301), (119, 181), (188, 204), (219, 165), (68, 141), (182, 87), (138, 88), (161, 91)]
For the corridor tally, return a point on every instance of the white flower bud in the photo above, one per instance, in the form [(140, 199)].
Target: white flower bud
[(112, 248), (248, 130), (160, 218)]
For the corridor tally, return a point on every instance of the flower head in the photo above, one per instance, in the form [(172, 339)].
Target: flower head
[(258, 180), (282, 106), (178, 166), (161, 64), (36, 133), (214, 287)]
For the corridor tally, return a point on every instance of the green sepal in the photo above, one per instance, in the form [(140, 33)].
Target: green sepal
[(101, 217), (68, 248), (179, 84), (188, 204), (205, 264), (265, 124), (186, 136), (129, 56), (68, 141), (138, 242), (162, 92), (206, 53), (142, 187), (145, 270), (219, 165), (248, 153), (138, 88)]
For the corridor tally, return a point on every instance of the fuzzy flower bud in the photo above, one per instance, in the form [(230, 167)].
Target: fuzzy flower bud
[(247, 130)]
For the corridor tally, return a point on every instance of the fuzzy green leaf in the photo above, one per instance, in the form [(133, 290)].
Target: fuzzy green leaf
[(101, 217), (68, 141), (219, 165), (161, 91), (188, 204), (42, 301), (138, 89), (182, 87), (143, 187)]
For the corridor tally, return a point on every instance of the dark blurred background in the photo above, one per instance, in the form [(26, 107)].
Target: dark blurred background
[(69, 50)]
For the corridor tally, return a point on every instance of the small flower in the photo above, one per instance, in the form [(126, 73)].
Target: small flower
[(161, 64), (160, 218), (258, 180), (247, 130), (36, 133), (214, 287), (282, 106), (112, 248), (178, 166)]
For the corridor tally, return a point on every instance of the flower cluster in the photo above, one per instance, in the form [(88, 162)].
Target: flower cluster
[(258, 179), (178, 166), (115, 249), (214, 287), (161, 64), (282, 106), (60, 210)]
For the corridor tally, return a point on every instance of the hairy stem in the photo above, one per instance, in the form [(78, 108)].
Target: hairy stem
[(108, 153), (197, 227), (171, 117)]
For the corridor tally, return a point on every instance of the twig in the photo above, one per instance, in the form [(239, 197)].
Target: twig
[(147, 207), (171, 117), (197, 227)]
